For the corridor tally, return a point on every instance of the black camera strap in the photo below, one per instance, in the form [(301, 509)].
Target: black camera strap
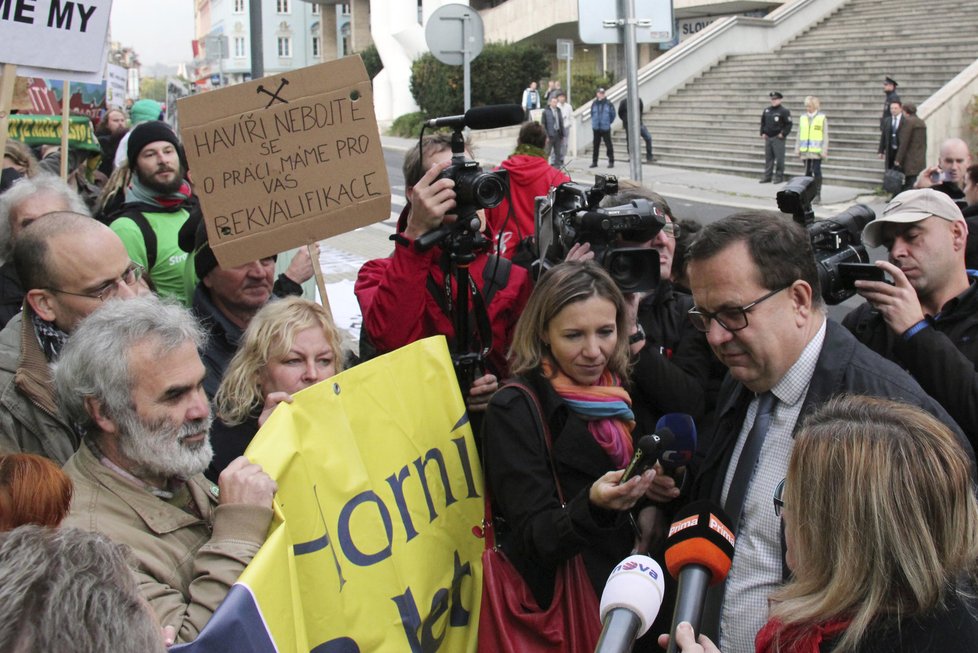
[(495, 276)]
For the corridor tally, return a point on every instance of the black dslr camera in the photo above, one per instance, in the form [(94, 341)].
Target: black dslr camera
[(837, 242), (570, 214)]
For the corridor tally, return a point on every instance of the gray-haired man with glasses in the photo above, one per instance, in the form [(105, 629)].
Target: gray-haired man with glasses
[(68, 264), (756, 293)]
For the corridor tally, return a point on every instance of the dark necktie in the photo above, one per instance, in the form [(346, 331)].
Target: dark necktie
[(737, 492)]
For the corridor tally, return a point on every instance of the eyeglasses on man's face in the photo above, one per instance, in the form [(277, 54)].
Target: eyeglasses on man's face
[(130, 277), (731, 319)]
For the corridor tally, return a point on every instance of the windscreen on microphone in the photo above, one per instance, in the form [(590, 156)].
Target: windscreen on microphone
[(494, 116), (647, 451), (636, 584), (701, 535), (684, 430)]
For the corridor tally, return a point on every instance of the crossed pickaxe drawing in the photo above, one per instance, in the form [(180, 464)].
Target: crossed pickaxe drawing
[(275, 95)]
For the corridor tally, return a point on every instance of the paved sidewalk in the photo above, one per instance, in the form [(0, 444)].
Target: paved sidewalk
[(691, 185)]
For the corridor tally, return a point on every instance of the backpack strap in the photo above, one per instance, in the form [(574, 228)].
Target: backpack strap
[(149, 236)]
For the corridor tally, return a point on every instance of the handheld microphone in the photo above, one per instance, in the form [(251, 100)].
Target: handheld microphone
[(490, 117), (647, 450), (699, 551), (684, 429), (630, 603)]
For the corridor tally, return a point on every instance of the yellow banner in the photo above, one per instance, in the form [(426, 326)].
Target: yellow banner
[(374, 544)]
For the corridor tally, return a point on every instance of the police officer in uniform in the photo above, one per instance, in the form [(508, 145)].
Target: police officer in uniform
[(775, 127)]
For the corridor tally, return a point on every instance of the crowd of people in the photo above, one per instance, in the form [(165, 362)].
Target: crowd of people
[(135, 370)]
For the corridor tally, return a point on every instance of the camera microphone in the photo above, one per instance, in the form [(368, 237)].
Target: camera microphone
[(490, 117), (699, 552), (630, 603)]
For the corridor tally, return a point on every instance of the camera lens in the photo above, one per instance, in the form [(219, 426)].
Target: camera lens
[(488, 190)]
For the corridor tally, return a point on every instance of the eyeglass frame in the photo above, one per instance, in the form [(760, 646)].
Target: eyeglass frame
[(779, 499), (744, 310), (671, 230), (133, 268)]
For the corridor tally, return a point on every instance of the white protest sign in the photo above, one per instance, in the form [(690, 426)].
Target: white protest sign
[(60, 35)]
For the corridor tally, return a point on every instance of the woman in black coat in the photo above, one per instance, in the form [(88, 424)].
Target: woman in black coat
[(569, 348)]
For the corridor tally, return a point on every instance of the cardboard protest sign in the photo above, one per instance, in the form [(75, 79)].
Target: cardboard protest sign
[(59, 35), (286, 160)]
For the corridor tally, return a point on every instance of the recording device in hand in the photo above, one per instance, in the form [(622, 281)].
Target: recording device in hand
[(683, 429), (630, 603), (834, 240), (849, 273), (647, 451), (699, 551), (571, 215), (462, 239)]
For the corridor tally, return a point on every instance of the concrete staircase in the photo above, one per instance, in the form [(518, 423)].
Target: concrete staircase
[(712, 122)]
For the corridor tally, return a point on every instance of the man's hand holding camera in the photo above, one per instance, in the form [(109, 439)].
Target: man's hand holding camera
[(431, 200), (896, 302)]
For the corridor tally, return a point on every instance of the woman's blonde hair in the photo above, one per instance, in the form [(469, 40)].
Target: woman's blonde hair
[(22, 156), (881, 514), (270, 334), (564, 284), (814, 101)]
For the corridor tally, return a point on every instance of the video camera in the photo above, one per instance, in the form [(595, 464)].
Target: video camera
[(570, 214), (835, 241)]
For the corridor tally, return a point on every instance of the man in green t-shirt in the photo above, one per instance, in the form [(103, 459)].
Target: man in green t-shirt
[(158, 202)]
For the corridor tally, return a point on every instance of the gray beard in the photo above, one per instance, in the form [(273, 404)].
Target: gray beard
[(158, 448)]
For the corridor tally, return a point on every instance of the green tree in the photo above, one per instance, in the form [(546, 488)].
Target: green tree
[(371, 60), (153, 88), (499, 75)]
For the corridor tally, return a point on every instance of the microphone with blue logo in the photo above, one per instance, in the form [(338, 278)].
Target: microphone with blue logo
[(630, 603)]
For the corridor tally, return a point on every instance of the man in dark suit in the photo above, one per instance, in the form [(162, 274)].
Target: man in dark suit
[(756, 294), (553, 124), (890, 134)]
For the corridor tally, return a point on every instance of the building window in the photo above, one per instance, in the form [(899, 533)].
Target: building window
[(239, 47), (345, 9), (315, 9), (239, 6), (282, 6), (285, 46), (316, 47)]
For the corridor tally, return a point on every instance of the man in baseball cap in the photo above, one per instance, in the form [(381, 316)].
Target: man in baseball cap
[(926, 319)]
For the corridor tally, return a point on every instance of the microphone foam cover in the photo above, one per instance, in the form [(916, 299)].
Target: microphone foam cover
[(701, 535), (684, 429), (636, 584), (494, 116)]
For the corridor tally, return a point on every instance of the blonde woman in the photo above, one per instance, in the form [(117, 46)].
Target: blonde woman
[(813, 142), (289, 345)]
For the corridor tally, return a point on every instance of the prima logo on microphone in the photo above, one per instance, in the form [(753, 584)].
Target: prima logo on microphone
[(717, 526), (689, 522), (631, 565)]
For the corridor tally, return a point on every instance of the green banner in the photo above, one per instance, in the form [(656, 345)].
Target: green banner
[(46, 130)]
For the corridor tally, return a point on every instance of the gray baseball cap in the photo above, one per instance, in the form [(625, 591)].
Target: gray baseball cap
[(912, 206)]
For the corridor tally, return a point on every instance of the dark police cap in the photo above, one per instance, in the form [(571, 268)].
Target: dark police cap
[(775, 94), (890, 80)]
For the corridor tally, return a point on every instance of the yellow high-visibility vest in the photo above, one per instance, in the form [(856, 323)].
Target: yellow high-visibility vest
[(811, 134)]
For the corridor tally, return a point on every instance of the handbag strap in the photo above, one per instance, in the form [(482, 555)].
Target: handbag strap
[(544, 430)]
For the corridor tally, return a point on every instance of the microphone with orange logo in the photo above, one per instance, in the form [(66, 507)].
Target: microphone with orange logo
[(699, 551)]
